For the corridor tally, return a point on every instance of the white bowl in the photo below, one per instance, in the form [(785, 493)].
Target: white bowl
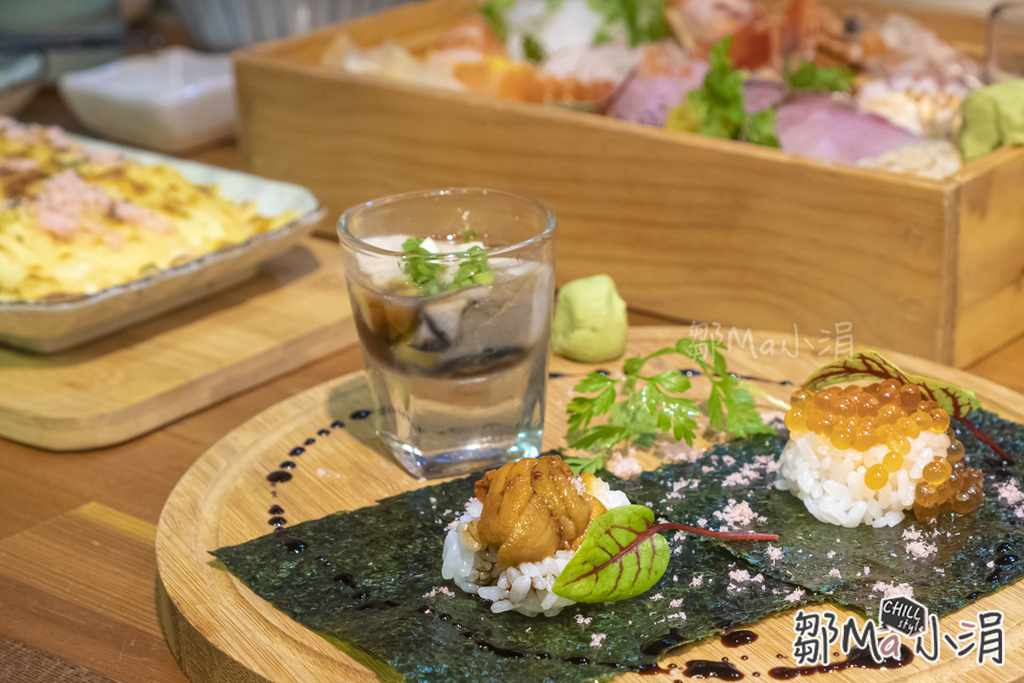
[(231, 24), (172, 100)]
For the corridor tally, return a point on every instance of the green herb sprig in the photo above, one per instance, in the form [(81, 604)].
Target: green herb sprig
[(716, 108), (425, 270), (810, 76), (653, 404)]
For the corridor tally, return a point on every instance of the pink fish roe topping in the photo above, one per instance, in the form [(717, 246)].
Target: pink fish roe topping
[(66, 201)]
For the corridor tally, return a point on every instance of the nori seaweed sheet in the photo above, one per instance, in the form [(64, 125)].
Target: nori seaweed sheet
[(364, 578), (975, 555)]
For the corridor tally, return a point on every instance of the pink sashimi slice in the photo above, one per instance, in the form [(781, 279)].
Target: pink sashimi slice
[(647, 100), (822, 127)]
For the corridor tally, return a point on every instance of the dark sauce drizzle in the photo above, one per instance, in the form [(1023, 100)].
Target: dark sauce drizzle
[(706, 668), (283, 474), (857, 659), (737, 638)]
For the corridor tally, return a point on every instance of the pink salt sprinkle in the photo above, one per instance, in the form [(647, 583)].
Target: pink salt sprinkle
[(774, 554), (795, 595), (835, 573), (867, 570), (891, 590), (596, 639), (582, 620), (740, 575), (920, 550), (742, 477), (623, 467), (911, 534), (657, 596), (677, 615), (831, 554), (443, 590), (697, 581), (736, 514), (701, 522), (676, 603), (1010, 492)]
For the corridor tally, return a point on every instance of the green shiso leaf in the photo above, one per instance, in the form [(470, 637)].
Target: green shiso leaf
[(956, 401), (617, 560)]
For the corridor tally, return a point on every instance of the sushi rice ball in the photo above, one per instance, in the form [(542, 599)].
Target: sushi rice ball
[(865, 455), (521, 528)]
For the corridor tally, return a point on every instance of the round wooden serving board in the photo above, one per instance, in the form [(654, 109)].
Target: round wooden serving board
[(220, 631)]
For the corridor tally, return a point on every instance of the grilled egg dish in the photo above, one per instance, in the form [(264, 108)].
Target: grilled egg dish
[(74, 220)]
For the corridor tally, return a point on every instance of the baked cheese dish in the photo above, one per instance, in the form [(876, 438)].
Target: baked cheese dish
[(75, 220)]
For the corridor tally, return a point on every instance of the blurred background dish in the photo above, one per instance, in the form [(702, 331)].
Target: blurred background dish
[(1004, 43), (172, 100), (20, 78), (220, 25), (97, 24)]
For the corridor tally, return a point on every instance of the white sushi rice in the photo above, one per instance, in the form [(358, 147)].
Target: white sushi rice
[(830, 481), (525, 588)]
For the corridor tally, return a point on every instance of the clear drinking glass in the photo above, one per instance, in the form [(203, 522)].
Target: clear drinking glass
[(455, 341), (1004, 43)]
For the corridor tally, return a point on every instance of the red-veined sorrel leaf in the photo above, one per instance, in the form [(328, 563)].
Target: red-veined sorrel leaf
[(623, 555), (956, 401)]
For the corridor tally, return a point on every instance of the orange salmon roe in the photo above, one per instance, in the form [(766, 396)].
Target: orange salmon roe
[(891, 413)]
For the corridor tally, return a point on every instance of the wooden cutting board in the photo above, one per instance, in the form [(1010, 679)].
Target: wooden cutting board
[(218, 630), (296, 310)]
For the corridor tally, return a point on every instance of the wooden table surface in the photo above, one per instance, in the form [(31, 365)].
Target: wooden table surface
[(77, 563)]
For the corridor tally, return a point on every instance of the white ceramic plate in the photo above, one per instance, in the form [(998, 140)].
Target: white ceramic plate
[(48, 326)]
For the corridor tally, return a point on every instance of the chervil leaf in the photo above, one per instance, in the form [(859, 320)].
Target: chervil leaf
[(653, 405), (673, 381), (595, 381)]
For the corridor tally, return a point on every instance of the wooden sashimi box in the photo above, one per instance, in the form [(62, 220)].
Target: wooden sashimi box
[(689, 226)]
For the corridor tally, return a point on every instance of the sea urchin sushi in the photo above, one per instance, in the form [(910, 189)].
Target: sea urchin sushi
[(520, 530)]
